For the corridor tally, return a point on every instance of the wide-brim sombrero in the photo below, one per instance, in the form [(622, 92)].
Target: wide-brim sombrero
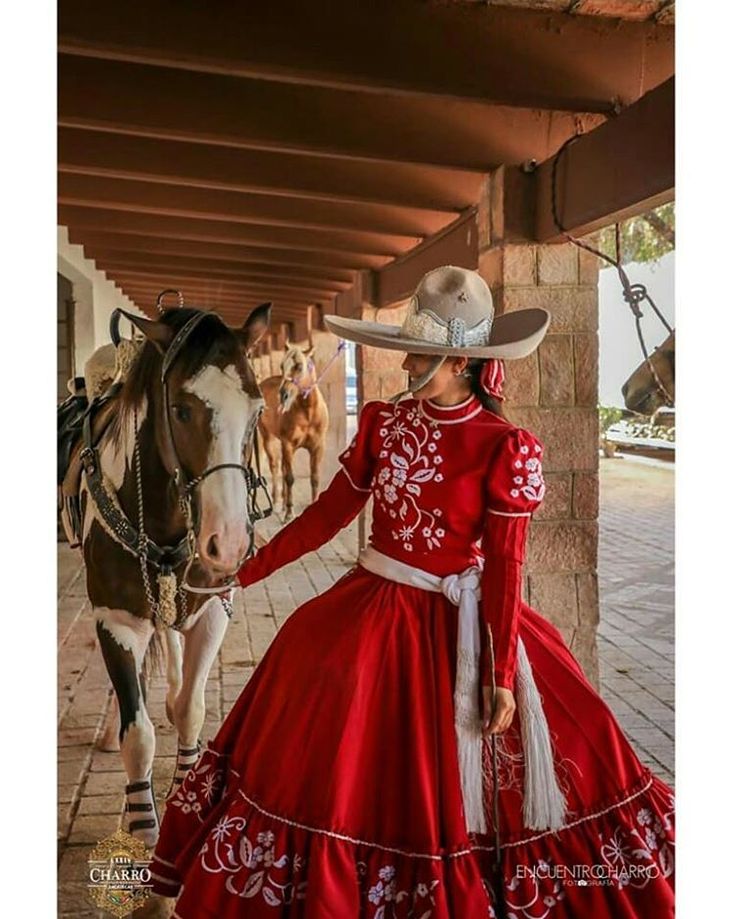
[(451, 313)]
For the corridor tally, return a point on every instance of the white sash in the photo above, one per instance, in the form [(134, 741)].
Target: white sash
[(544, 803)]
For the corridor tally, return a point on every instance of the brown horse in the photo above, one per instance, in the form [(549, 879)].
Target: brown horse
[(172, 461), (295, 416), (642, 392)]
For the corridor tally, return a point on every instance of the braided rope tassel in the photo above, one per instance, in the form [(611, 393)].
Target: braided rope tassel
[(544, 801)]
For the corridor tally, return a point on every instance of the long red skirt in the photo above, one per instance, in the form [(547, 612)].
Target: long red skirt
[(332, 789)]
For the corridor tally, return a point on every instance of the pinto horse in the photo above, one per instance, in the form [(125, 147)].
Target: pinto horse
[(184, 417), (642, 392), (295, 416)]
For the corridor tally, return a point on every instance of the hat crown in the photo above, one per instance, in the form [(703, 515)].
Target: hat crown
[(451, 306)]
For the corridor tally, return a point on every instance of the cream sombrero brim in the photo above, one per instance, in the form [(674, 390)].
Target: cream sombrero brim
[(513, 335)]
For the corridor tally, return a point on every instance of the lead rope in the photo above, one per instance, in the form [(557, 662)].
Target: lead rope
[(633, 294)]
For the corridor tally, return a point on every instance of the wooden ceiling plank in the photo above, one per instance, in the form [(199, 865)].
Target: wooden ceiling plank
[(358, 243), (87, 152), (283, 285), (226, 268), (509, 56), (184, 201), (180, 280), (207, 108), (621, 169), (288, 258)]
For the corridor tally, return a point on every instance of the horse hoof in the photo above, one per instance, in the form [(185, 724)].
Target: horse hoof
[(109, 740)]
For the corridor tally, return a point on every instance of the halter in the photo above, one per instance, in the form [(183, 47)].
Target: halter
[(186, 487)]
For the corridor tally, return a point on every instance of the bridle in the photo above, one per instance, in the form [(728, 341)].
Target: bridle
[(186, 486)]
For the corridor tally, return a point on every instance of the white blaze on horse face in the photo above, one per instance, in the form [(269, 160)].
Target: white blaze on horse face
[(223, 531), (298, 375)]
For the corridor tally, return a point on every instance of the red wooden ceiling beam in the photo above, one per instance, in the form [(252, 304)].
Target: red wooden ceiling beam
[(207, 108), (232, 169), (211, 204), (182, 281), (350, 243), (623, 168), (227, 269), (450, 50), (256, 284), (290, 258)]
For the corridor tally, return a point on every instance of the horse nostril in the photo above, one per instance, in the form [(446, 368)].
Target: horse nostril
[(212, 550)]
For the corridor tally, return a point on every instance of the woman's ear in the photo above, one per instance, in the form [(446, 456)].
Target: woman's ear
[(459, 364)]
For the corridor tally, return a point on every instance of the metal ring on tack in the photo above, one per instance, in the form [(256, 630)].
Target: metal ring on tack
[(169, 290)]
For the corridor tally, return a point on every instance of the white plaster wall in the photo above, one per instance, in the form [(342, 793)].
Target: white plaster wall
[(95, 298)]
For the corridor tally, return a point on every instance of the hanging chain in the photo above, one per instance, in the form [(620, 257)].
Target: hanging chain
[(153, 603), (142, 538), (633, 294)]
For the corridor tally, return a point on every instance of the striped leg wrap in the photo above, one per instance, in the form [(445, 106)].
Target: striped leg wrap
[(140, 800), (186, 757)]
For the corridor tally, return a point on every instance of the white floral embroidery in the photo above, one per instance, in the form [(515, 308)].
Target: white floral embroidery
[(417, 902), (525, 903), (411, 447), (252, 869), (640, 854), (200, 786), (532, 485)]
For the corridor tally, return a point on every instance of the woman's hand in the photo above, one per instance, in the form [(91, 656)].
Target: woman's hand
[(498, 714)]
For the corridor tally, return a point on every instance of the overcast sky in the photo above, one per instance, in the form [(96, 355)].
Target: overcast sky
[(620, 352)]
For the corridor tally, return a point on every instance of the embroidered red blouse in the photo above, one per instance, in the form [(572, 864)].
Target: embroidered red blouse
[(449, 484)]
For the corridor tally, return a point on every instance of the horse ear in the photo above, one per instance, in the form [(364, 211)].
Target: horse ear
[(158, 333), (255, 326), (309, 352)]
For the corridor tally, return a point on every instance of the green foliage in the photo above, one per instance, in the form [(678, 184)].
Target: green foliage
[(642, 240), (608, 415)]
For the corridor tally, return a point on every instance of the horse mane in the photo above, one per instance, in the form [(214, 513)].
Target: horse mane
[(210, 342)]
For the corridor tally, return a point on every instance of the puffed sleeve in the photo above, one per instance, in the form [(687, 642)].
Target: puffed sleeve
[(515, 490), (334, 508)]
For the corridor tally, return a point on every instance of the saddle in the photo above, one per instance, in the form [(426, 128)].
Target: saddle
[(72, 416)]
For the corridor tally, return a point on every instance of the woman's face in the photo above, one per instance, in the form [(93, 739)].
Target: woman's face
[(447, 379)]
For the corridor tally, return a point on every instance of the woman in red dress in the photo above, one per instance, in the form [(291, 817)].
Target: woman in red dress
[(418, 742)]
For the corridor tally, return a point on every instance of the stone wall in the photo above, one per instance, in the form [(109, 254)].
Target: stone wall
[(554, 393)]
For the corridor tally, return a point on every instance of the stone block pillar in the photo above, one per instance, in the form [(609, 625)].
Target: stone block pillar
[(554, 393)]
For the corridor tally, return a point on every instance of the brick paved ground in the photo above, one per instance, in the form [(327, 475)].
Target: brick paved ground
[(636, 636), (636, 659)]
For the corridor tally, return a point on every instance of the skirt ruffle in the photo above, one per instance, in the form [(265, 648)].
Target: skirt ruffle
[(332, 789), (243, 860)]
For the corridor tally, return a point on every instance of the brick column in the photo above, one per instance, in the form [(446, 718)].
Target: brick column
[(554, 393)]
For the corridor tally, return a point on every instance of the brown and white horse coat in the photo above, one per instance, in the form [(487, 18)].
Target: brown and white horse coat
[(213, 397)]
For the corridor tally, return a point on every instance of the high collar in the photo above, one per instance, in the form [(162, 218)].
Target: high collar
[(451, 414)]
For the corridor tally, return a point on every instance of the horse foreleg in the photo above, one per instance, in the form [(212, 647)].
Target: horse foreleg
[(173, 670), (287, 465), (316, 454), (202, 641), (123, 640)]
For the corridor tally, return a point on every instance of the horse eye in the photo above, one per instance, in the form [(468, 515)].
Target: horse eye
[(182, 413)]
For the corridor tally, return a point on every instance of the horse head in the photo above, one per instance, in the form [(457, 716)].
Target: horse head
[(202, 400), (298, 375), (642, 392)]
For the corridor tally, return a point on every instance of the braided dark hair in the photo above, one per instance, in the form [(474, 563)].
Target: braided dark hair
[(473, 372)]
